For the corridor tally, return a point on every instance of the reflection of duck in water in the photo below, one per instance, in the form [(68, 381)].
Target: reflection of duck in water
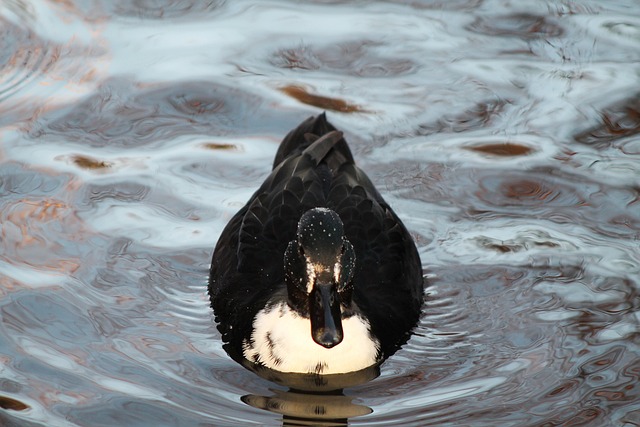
[(311, 400), (302, 409), (316, 273)]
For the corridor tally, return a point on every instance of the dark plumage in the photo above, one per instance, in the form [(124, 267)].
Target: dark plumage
[(369, 264)]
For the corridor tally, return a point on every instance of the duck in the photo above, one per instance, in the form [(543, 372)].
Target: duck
[(315, 274)]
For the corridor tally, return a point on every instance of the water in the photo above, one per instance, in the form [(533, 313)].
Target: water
[(505, 135)]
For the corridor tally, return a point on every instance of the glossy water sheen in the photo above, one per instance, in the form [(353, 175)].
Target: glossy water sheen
[(505, 134)]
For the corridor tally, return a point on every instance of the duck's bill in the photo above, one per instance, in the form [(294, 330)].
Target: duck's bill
[(324, 310)]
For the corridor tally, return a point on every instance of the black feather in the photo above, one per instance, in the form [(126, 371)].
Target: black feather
[(314, 167)]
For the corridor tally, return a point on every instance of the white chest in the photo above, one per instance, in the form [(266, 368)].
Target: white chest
[(281, 340)]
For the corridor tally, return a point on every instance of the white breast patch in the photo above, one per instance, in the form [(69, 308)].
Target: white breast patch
[(281, 340)]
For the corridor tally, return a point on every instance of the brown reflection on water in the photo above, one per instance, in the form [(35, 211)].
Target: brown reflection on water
[(219, 146), (12, 404), (324, 102), (508, 149), (86, 162)]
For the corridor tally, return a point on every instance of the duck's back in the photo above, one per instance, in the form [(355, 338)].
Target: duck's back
[(297, 141), (313, 168)]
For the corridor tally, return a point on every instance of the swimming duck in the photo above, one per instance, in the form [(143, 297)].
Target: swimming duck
[(316, 273)]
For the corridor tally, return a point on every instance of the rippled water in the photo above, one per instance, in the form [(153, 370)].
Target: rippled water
[(505, 134)]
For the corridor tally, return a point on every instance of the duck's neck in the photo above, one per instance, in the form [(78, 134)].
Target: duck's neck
[(281, 340)]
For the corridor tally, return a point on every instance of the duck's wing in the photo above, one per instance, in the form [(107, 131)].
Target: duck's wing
[(247, 267)]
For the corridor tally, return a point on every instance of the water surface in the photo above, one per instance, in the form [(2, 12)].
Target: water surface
[(505, 134)]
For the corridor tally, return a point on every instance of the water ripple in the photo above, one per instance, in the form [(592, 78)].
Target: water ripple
[(523, 25), (99, 10), (26, 59), (124, 114), (504, 134), (356, 58), (618, 123)]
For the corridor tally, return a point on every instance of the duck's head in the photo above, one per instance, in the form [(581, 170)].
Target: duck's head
[(319, 266)]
